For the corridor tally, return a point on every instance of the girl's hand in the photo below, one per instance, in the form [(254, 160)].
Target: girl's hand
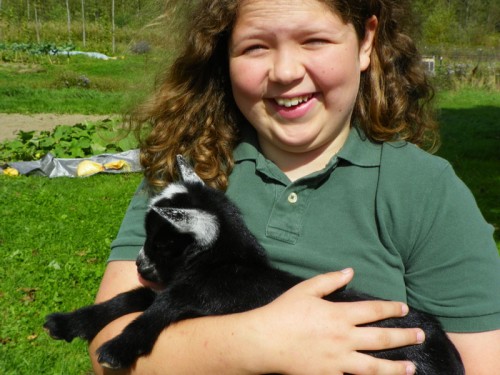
[(301, 333)]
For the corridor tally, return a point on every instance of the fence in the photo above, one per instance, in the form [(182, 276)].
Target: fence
[(450, 67)]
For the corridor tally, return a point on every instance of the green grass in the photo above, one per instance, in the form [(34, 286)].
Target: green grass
[(28, 100), (54, 242), (470, 138), (78, 85)]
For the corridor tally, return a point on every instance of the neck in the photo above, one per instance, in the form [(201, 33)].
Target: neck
[(299, 164)]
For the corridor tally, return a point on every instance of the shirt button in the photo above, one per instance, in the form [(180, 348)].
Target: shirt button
[(293, 198)]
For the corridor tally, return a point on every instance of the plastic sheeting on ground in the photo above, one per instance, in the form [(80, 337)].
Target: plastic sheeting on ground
[(50, 166), (95, 55)]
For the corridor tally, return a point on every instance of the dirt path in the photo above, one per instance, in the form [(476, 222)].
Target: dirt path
[(11, 123)]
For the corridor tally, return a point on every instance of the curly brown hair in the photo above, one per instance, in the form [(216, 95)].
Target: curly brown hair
[(193, 112), (394, 99)]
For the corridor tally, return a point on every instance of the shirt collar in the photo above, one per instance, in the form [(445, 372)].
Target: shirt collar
[(357, 150), (248, 148)]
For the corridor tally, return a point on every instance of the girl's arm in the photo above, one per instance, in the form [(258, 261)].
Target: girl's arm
[(298, 333), (480, 351)]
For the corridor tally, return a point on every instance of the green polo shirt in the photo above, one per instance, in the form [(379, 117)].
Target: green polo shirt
[(399, 216)]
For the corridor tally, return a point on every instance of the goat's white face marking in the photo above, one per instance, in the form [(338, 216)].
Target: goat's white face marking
[(145, 264), (169, 192), (203, 226)]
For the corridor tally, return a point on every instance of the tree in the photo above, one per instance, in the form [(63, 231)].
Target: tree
[(441, 26), (438, 21), (84, 37), (69, 20), (37, 22), (113, 25)]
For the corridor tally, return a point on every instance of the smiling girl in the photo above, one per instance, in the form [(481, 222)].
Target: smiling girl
[(312, 115), (296, 78)]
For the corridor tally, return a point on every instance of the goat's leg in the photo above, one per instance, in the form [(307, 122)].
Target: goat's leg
[(88, 321), (139, 337)]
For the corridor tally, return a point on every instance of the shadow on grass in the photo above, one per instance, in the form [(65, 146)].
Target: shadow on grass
[(471, 143)]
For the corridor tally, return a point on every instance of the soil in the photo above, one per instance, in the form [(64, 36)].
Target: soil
[(10, 124)]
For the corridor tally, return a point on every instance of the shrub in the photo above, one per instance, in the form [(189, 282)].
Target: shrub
[(140, 48)]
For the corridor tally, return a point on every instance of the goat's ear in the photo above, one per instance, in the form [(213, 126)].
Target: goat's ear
[(187, 172), (203, 226)]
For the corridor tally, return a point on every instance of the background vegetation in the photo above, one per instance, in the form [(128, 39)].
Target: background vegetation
[(96, 23), (76, 84), (108, 26), (55, 233), (473, 23)]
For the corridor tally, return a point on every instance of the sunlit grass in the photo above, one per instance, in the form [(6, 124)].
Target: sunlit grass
[(54, 238)]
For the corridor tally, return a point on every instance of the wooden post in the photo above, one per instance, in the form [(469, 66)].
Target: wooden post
[(113, 25), (37, 26), (84, 37), (69, 20)]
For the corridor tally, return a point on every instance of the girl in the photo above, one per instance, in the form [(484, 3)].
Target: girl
[(306, 112)]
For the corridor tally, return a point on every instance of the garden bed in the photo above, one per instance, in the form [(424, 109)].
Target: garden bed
[(11, 123)]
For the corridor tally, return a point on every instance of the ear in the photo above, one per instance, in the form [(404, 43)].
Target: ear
[(186, 171), (366, 45), (203, 226)]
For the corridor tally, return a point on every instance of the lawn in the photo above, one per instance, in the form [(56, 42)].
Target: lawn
[(78, 85), (470, 130), (54, 238), (55, 233)]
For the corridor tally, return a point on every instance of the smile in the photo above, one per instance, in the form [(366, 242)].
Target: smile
[(291, 102)]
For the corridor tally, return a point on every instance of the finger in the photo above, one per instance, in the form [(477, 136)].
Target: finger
[(364, 312), (374, 338), (324, 284), (366, 364)]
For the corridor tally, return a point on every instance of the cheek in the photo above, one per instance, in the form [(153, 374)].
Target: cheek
[(341, 73), (246, 80), (339, 85), (243, 92)]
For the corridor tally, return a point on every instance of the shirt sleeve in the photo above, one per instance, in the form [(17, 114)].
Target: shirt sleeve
[(132, 234), (452, 265)]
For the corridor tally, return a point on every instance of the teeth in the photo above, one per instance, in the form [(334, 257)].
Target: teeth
[(292, 101)]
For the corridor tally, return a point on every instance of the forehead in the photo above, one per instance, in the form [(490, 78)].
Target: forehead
[(284, 14), (279, 8)]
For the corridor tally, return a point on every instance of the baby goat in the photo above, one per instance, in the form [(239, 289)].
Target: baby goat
[(198, 246)]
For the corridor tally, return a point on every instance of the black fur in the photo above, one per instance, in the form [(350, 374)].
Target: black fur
[(225, 274)]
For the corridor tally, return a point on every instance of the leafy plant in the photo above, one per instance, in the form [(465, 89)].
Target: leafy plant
[(72, 79), (23, 52), (78, 141)]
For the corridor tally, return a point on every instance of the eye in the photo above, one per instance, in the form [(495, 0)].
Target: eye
[(254, 48), (316, 42)]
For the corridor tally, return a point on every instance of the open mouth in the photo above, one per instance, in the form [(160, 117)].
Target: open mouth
[(293, 102)]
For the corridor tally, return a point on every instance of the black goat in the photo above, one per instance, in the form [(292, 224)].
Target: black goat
[(198, 246)]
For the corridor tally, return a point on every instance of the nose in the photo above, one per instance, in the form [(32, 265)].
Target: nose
[(140, 257), (287, 67)]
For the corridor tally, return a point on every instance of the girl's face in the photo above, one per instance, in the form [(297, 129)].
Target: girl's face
[(295, 70)]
